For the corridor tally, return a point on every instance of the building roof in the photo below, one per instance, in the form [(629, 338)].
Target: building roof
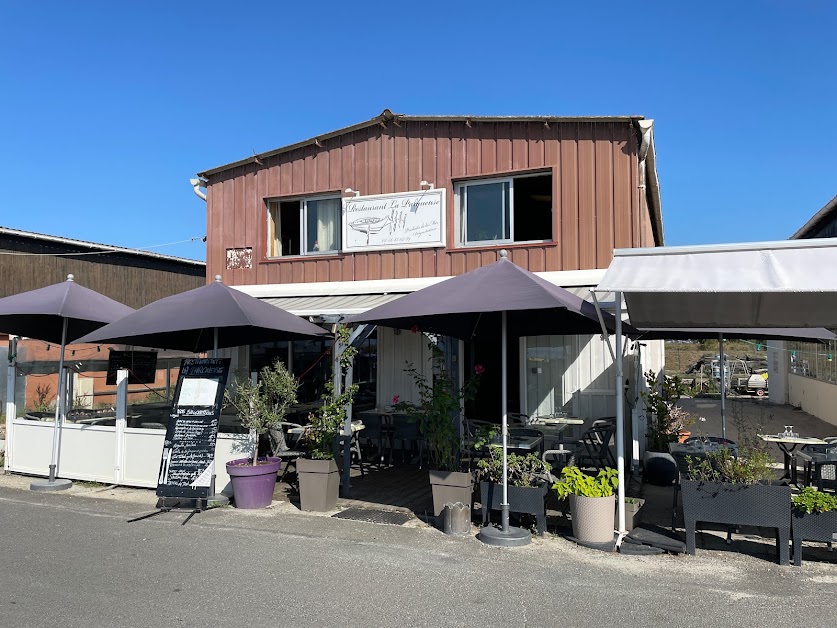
[(96, 247), (826, 213), (387, 116)]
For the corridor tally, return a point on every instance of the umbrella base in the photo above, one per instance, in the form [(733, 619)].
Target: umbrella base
[(46, 485), (513, 537)]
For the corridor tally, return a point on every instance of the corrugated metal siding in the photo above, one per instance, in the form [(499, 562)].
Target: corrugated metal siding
[(129, 279), (595, 204)]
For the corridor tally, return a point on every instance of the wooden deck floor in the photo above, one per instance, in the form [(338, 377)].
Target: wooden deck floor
[(401, 487)]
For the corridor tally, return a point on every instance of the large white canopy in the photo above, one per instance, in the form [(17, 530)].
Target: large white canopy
[(770, 284)]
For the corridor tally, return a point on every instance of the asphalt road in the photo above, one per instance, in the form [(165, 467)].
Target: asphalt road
[(73, 561)]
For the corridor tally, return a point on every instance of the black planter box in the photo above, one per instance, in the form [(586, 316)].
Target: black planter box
[(530, 500), (820, 527), (761, 505)]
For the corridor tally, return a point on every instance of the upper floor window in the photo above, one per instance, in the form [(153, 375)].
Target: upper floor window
[(306, 226), (512, 209)]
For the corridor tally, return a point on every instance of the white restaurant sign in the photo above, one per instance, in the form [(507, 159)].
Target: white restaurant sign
[(394, 221)]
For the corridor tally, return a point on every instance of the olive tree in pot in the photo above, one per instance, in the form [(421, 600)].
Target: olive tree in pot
[(723, 488), (592, 504), (528, 483), (261, 406), (319, 476), (666, 424), (814, 519), (439, 404)]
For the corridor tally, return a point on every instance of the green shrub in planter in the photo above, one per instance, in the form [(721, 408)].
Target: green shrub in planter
[(591, 503), (814, 519)]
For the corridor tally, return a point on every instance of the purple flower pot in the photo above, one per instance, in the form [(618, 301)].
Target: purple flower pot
[(253, 485)]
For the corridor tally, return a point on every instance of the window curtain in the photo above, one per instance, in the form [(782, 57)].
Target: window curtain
[(326, 223)]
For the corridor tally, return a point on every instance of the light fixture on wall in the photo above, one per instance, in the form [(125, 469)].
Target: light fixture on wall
[(351, 191), (426, 184)]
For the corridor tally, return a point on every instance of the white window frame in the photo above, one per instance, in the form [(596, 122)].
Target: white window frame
[(303, 225), (461, 227)]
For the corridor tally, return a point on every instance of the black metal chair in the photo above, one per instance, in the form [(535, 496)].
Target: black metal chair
[(593, 448), (409, 436), (819, 469), (377, 436)]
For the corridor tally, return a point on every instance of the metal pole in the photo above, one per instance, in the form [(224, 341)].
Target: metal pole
[(11, 407), (620, 420), (58, 404), (723, 386), (503, 396)]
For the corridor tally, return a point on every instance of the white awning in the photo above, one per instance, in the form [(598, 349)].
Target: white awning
[(772, 284), (326, 305)]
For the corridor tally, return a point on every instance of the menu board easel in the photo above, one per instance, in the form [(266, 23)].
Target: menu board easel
[(187, 464)]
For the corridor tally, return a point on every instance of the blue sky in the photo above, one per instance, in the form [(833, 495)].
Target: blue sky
[(108, 108)]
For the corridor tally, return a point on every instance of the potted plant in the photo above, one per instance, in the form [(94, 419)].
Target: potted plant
[(666, 424), (439, 404), (319, 476), (814, 519), (261, 406), (592, 504), (633, 505), (527, 475), (723, 488)]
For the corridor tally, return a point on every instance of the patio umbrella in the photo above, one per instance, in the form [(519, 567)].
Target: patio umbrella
[(60, 313), (739, 333), (473, 304), (211, 317)]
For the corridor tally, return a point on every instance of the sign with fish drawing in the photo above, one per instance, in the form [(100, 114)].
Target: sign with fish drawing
[(394, 221)]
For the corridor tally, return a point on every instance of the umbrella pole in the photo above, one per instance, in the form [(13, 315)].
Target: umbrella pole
[(723, 386), (59, 405), (506, 536), (215, 499), (504, 397)]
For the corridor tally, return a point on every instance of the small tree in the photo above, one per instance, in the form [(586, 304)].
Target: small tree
[(326, 421), (262, 405)]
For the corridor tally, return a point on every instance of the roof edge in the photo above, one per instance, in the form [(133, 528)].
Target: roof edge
[(386, 116), (102, 247), (815, 220)]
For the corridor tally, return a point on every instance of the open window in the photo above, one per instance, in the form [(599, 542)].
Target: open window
[(307, 226), (512, 209)]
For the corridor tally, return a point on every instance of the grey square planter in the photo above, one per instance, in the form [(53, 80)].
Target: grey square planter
[(529, 500), (450, 486), (318, 484), (820, 527), (760, 505), (632, 514)]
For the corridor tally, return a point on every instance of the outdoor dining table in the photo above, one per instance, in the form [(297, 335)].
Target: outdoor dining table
[(552, 428), (521, 443), (788, 445)]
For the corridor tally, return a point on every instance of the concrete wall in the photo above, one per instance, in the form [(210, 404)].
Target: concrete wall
[(813, 396)]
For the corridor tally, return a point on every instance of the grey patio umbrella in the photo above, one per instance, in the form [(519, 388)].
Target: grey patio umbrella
[(742, 333), (211, 317), (475, 304), (60, 313)]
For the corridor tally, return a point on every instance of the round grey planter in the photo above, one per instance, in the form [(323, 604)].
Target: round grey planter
[(593, 518)]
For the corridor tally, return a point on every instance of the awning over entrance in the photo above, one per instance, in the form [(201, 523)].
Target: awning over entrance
[(772, 284), (326, 305)]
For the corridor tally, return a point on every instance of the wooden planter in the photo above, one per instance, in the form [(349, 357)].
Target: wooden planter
[(319, 481), (530, 500), (761, 505), (450, 487), (820, 527)]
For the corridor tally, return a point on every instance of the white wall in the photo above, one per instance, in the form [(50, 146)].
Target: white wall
[(397, 349), (813, 396)]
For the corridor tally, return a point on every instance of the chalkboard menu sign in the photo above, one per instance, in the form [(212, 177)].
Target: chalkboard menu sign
[(141, 365), (188, 460)]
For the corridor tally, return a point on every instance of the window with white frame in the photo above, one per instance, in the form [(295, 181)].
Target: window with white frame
[(304, 226), (511, 209)]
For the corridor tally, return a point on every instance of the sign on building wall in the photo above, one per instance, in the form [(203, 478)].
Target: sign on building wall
[(394, 221)]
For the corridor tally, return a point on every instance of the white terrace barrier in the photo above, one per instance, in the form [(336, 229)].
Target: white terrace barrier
[(108, 454)]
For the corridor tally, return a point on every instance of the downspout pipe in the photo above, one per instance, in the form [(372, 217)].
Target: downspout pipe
[(197, 184)]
